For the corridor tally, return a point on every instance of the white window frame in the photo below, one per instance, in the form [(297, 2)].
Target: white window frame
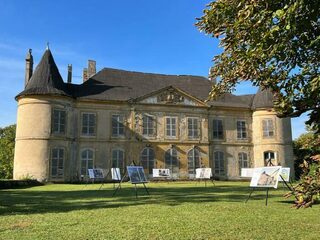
[(88, 129), (171, 127), (60, 160), (87, 161), (116, 160), (194, 131), (148, 125), (194, 160), (118, 124), (269, 152), (243, 160), (242, 132), (58, 123), (268, 128)]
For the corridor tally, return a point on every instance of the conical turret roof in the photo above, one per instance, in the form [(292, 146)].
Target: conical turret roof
[(46, 79), (263, 99)]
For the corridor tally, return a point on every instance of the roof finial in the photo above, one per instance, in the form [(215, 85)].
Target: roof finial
[(47, 48)]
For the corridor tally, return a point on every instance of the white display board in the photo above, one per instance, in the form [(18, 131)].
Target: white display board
[(203, 173), (136, 174), (285, 174), (115, 174), (95, 173), (246, 172), (265, 177), (161, 172)]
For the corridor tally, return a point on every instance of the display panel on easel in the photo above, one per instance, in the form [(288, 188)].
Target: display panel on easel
[(136, 174), (284, 175), (265, 177), (115, 174), (203, 173)]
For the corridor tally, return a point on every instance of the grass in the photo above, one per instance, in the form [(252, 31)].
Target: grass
[(179, 210)]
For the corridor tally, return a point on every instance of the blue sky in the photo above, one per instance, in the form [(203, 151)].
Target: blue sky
[(139, 35)]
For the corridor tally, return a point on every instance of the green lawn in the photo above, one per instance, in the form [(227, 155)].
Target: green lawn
[(176, 210)]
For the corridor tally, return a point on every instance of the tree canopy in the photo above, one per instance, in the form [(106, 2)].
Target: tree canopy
[(7, 142), (274, 44)]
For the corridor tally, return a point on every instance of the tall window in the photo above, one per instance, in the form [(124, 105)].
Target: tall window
[(243, 161), (58, 121), (193, 128), (171, 160), (268, 127), (217, 129), (86, 161), (269, 158), (117, 125), (193, 160), (219, 168), (57, 163), (89, 124), (118, 159), (241, 129), (147, 159), (148, 125), (171, 127)]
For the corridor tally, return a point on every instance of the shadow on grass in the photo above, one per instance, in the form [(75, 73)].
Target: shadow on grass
[(18, 201)]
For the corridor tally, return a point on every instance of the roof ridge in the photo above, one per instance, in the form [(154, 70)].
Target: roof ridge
[(150, 73)]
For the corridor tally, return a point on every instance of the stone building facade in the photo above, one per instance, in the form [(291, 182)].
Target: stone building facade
[(159, 121)]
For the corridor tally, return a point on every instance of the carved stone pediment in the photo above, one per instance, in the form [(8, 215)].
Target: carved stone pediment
[(170, 96)]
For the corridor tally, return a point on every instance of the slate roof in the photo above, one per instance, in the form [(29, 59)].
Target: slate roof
[(46, 79), (263, 99), (122, 85)]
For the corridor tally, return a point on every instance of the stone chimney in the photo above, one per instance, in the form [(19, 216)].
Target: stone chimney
[(85, 74), (91, 68), (29, 67), (90, 71), (69, 78)]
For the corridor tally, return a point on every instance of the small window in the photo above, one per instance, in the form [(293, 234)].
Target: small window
[(147, 159), (243, 161), (117, 125), (193, 128), (86, 161), (193, 160), (241, 129), (118, 159), (268, 128), (171, 160), (148, 125), (57, 163), (219, 166), (171, 127), (269, 158), (58, 121), (88, 124)]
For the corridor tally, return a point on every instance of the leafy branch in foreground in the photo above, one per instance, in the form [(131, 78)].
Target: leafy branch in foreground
[(307, 191), (274, 44)]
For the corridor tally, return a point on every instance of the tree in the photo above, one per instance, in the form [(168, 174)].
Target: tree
[(274, 44), (307, 166), (305, 147), (7, 142)]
